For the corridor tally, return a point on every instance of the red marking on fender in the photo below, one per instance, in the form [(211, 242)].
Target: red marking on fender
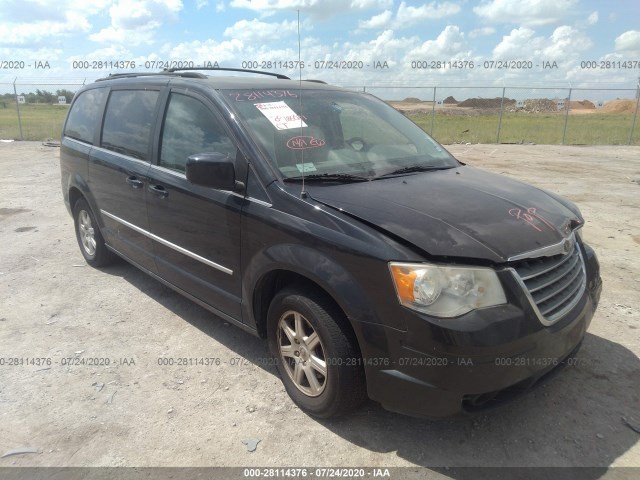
[(304, 142)]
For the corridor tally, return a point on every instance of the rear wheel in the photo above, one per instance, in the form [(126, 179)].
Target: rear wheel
[(90, 240), (319, 364)]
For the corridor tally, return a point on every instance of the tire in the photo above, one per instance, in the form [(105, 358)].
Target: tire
[(318, 362), (89, 237)]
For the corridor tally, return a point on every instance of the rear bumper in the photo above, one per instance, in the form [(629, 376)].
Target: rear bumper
[(475, 362)]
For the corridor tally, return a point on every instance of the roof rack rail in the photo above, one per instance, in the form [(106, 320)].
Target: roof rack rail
[(113, 76), (314, 81), (260, 72)]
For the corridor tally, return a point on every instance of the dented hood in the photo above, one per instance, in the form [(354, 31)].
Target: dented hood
[(459, 212)]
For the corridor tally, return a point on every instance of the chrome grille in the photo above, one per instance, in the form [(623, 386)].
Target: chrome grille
[(554, 284)]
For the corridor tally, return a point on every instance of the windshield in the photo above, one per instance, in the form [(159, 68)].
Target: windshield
[(335, 134)]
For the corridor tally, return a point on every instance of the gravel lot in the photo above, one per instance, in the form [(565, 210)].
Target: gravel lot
[(136, 412)]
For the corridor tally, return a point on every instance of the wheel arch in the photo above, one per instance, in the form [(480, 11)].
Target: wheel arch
[(74, 195), (77, 188), (277, 280), (281, 270)]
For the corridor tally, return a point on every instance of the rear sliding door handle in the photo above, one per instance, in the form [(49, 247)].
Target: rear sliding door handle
[(158, 190), (134, 182)]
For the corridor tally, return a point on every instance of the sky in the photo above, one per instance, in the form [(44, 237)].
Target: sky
[(367, 43)]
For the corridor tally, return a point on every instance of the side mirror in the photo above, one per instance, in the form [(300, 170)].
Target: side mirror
[(213, 170)]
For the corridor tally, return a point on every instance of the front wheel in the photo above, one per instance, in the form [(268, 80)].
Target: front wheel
[(90, 240), (318, 361)]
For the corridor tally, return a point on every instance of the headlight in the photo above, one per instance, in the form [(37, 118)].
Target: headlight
[(446, 291)]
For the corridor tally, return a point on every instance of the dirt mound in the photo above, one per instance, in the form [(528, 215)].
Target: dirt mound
[(619, 106), (582, 105), (450, 101), (536, 105), (485, 102), (411, 100)]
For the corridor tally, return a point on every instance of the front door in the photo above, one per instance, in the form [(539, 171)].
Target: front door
[(196, 230)]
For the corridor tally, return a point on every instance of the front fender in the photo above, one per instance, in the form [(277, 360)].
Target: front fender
[(317, 267)]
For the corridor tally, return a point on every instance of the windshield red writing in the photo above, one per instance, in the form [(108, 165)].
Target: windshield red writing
[(302, 143)]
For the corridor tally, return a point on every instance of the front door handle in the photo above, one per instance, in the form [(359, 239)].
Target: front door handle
[(158, 190), (135, 182)]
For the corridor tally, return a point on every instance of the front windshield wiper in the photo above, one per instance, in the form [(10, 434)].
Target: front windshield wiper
[(412, 169), (329, 177)]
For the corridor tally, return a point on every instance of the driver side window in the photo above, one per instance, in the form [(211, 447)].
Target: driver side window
[(190, 128)]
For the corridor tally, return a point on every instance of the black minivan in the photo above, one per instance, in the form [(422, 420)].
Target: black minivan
[(324, 220)]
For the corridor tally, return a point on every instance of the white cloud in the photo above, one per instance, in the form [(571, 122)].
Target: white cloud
[(383, 46), (514, 45), (628, 42), (408, 15), (135, 21), (200, 4), (524, 12), (89, 7), (367, 4), (449, 44), (590, 21), (377, 21), (257, 31), (131, 14), (32, 11), (482, 32), (565, 44), (316, 8), (220, 7), (41, 30), (32, 22)]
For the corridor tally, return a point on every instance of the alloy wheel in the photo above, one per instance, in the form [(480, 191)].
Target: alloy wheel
[(302, 353), (87, 233)]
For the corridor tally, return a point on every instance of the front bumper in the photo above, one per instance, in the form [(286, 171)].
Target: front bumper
[(440, 368)]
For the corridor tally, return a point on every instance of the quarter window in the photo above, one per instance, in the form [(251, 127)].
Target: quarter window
[(84, 116), (128, 121), (190, 128)]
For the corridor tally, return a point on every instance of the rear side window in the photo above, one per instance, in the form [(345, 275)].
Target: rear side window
[(128, 121), (190, 128), (84, 116)]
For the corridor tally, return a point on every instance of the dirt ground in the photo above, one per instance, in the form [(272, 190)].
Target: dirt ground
[(138, 412)]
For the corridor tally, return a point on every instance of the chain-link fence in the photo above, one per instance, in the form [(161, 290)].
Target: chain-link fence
[(520, 114), (452, 114), (34, 111)]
